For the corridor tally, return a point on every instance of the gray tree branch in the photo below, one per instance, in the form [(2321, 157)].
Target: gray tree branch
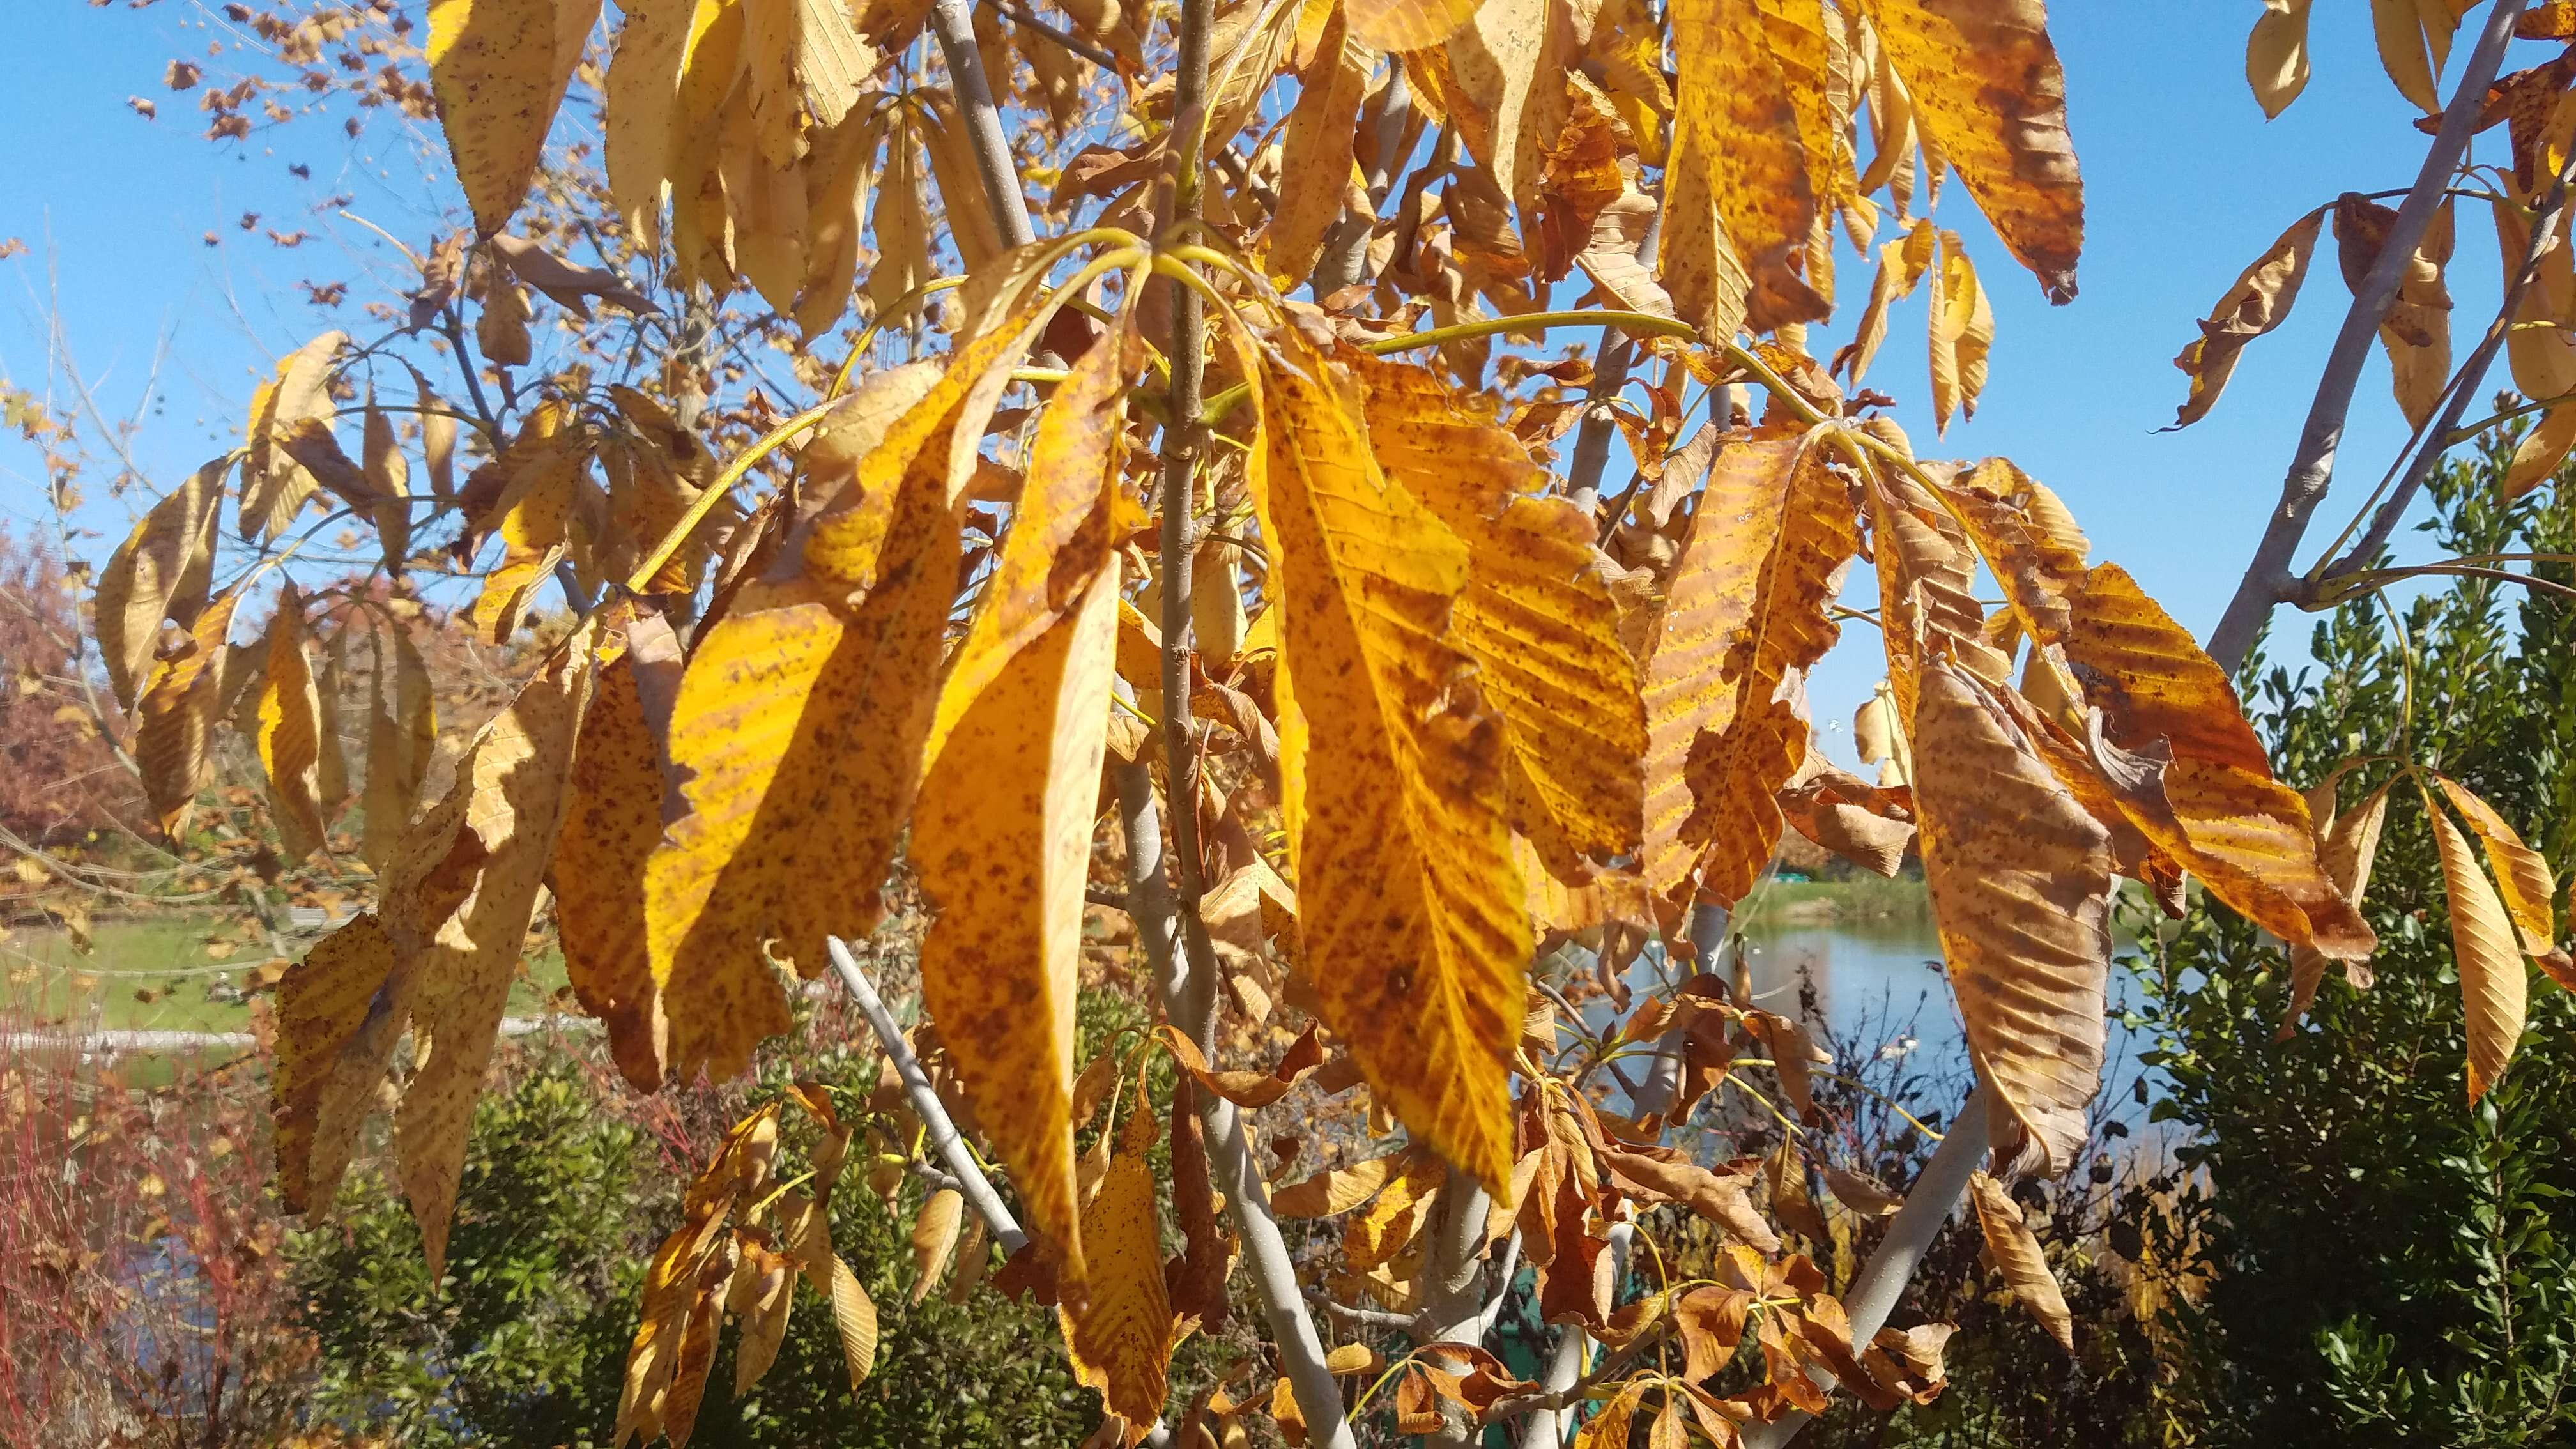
[(2438, 439), (977, 1188), (953, 21), (1882, 1279), (2268, 580)]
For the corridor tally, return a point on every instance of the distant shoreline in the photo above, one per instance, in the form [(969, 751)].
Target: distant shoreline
[(1830, 902)]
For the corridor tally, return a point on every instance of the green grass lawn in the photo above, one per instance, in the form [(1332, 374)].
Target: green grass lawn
[(167, 959)]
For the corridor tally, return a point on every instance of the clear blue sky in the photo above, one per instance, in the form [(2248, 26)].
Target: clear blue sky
[(2185, 181)]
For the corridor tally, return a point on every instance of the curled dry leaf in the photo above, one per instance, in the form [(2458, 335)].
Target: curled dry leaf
[(162, 571), (179, 707), (2259, 302), (2017, 1252), (1861, 1193), (2350, 847), (1248, 1089)]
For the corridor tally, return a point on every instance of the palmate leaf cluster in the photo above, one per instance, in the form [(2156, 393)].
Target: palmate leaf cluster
[(1463, 705)]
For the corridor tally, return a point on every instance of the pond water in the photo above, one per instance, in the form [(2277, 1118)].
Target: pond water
[(1875, 987)]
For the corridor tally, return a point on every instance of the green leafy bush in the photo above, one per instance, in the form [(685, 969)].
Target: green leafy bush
[(2381, 1259)]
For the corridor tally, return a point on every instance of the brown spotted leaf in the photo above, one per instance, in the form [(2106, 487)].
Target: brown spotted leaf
[(1537, 616), (1989, 95), (1737, 121), (1002, 835), (1392, 772), (2021, 894), (1120, 1341), (499, 68)]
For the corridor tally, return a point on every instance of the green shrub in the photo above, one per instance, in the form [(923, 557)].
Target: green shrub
[(2383, 1260)]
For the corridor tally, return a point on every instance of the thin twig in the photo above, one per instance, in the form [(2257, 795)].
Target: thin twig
[(971, 1182)]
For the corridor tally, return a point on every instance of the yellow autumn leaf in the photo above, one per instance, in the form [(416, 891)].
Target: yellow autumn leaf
[(179, 707), (1315, 158), (2493, 985), (2246, 835), (710, 68), (2021, 895), (402, 733), (1338, 1190), (805, 709), (2276, 55), (499, 69), (2348, 851), (1403, 859), (1717, 586), (1926, 573), (1735, 120), (2259, 302), (1406, 24), (1537, 615), (388, 475), (491, 841), (1755, 740), (1989, 94), (2522, 875), (1902, 263), (2538, 351), (639, 95), (766, 1306), (610, 828), (1962, 330), (274, 485), (1120, 1339), (535, 513), (840, 182), (2399, 26), (1002, 834), (806, 67), (2017, 1252), (964, 205), (321, 1002), (162, 570), (934, 1239), (290, 732)]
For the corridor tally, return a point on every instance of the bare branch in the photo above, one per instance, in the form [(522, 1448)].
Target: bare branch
[(2267, 579), (953, 21), (1882, 1279), (971, 1182)]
